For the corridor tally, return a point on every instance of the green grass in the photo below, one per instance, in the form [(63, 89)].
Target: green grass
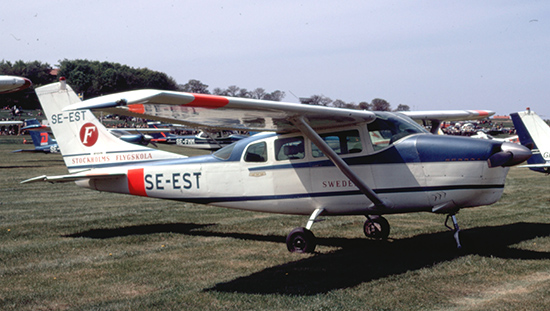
[(65, 247)]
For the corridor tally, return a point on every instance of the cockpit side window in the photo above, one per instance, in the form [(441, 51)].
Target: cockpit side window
[(388, 128), (341, 142), (291, 148), (256, 152)]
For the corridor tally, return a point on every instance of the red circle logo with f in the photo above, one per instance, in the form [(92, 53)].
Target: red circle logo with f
[(88, 134)]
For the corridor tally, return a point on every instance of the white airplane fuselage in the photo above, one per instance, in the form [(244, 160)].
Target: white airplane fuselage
[(421, 172)]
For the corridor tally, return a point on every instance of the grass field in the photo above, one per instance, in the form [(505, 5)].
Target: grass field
[(64, 247)]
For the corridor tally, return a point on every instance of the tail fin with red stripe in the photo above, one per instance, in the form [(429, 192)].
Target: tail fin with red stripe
[(84, 142)]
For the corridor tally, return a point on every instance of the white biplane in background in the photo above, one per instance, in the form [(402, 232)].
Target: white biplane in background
[(315, 161)]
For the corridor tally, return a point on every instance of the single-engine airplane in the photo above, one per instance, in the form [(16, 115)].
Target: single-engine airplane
[(10, 84), (534, 133), (316, 161)]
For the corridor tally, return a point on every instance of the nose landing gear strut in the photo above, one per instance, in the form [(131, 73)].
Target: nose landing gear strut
[(456, 229)]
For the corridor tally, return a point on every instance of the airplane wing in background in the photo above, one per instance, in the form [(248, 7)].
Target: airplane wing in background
[(436, 116), (9, 84), (448, 115)]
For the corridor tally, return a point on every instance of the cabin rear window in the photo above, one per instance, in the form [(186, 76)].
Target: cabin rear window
[(344, 142), (291, 148)]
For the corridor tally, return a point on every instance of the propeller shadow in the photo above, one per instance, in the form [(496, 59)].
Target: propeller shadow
[(358, 260)]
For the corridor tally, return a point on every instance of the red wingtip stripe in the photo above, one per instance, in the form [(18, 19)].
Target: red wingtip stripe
[(482, 112), (208, 101), (137, 108), (136, 183)]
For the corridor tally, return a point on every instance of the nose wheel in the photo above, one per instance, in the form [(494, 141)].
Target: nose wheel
[(376, 227)]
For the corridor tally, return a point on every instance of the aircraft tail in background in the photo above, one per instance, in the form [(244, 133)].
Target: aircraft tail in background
[(534, 133), (44, 142), (83, 141)]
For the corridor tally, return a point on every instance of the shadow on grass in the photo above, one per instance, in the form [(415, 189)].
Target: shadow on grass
[(138, 230), (358, 260)]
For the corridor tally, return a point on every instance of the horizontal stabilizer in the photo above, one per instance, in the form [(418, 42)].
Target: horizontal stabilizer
[(73, 177)]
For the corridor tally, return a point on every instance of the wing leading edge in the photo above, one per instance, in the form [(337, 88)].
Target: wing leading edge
[(220, 112)]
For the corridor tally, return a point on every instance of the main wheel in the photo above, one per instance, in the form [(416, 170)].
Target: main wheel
[(301, 240), (377, 227)]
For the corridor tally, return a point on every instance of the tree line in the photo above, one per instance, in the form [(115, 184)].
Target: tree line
[(95, 78)]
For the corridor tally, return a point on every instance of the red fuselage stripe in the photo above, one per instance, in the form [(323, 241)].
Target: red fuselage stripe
[(136, 183)]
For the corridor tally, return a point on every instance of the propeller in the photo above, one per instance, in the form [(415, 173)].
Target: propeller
[(510, 154)]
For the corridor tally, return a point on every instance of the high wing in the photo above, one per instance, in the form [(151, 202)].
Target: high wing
[(219, 112)]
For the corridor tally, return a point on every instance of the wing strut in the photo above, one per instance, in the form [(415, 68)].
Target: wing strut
[(304, 127), (435, 126)]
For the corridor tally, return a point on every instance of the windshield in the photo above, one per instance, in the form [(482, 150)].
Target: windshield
[(225, 152), (389, 127)]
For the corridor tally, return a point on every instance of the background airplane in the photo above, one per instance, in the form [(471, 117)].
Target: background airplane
[(318, 161), (483, 135), (33, 125), (202, 140), (10, 84), (43, 142), (41, 138), (534, 133)]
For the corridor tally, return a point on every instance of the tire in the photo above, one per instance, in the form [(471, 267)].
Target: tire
[(377, 227), (301, 240)]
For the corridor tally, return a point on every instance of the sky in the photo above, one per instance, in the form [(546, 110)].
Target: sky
[(429, 55)]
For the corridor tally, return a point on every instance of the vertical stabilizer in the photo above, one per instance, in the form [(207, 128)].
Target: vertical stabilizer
[(42, 139), (534, 133), (84, 142)]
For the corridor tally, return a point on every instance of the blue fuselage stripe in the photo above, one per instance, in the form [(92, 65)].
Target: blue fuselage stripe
[(339, 193)]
